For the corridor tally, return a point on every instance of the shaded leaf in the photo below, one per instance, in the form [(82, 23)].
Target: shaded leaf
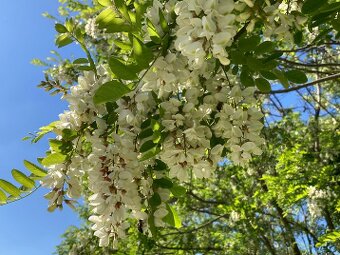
[(121, 70), (268, 75), (147, 146), (160, 165), (265, 47), (310, 6), (248, 43), (155, 200), (263, 85), (142, 53), (172, 217), (178, 191), (282, 78), (296, 76), (246, 79), (164, 183), (110, 92)]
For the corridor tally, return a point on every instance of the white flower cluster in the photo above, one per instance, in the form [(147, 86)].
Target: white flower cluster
[(112, 167), (316, 200), (202, 116), (205, 27), (280, 20), (91, 28)]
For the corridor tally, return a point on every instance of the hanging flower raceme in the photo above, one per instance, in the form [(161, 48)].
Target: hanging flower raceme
[(175, 111)]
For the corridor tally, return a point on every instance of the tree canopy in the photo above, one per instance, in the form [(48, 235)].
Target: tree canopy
[(193, 127)]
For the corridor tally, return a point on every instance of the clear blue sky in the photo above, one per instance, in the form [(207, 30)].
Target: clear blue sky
[(26, 228)]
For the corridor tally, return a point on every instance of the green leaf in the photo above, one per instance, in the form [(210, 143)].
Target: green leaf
[(81, 61), (246, 79), (273, 56), (178, 191), (146, 123), (105, 3), (298, 36), (22, 179), (110, 92), (254, 64), (121, 70), (296, 76), (263, 85), (69, 24), (121, 6), (160, 165), (155, 125), (53, 159), (336, 24), (172, 217), (84, 68), (60, 28), (9, 188), (310, 6), (248, 43), (268, 75), (45, 130), (142, 53), (150, 153), (163, 22), (69, 134), (147, 146), (155, 200), (3, 197), (155, 37), (55, 145), (145, 133), (282, 78), (34, 169), (330, 8), (265, 47), (125, 46), (238, 57), (109, 20), (164, 183), (63, 40)]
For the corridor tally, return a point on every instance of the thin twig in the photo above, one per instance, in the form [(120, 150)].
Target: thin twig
[(328, 78)]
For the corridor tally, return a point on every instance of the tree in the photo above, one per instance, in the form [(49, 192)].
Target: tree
[(169, 90)]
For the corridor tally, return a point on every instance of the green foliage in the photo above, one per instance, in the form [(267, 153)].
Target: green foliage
[(53, 159), (110, 92)]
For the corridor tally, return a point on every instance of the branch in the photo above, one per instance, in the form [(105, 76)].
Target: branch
[(205, 201), (307, 64), (22, 197), (328, 78), (190, 248), (207, 223)]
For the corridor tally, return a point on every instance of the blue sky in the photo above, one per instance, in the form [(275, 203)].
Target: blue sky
[(25, 226)]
